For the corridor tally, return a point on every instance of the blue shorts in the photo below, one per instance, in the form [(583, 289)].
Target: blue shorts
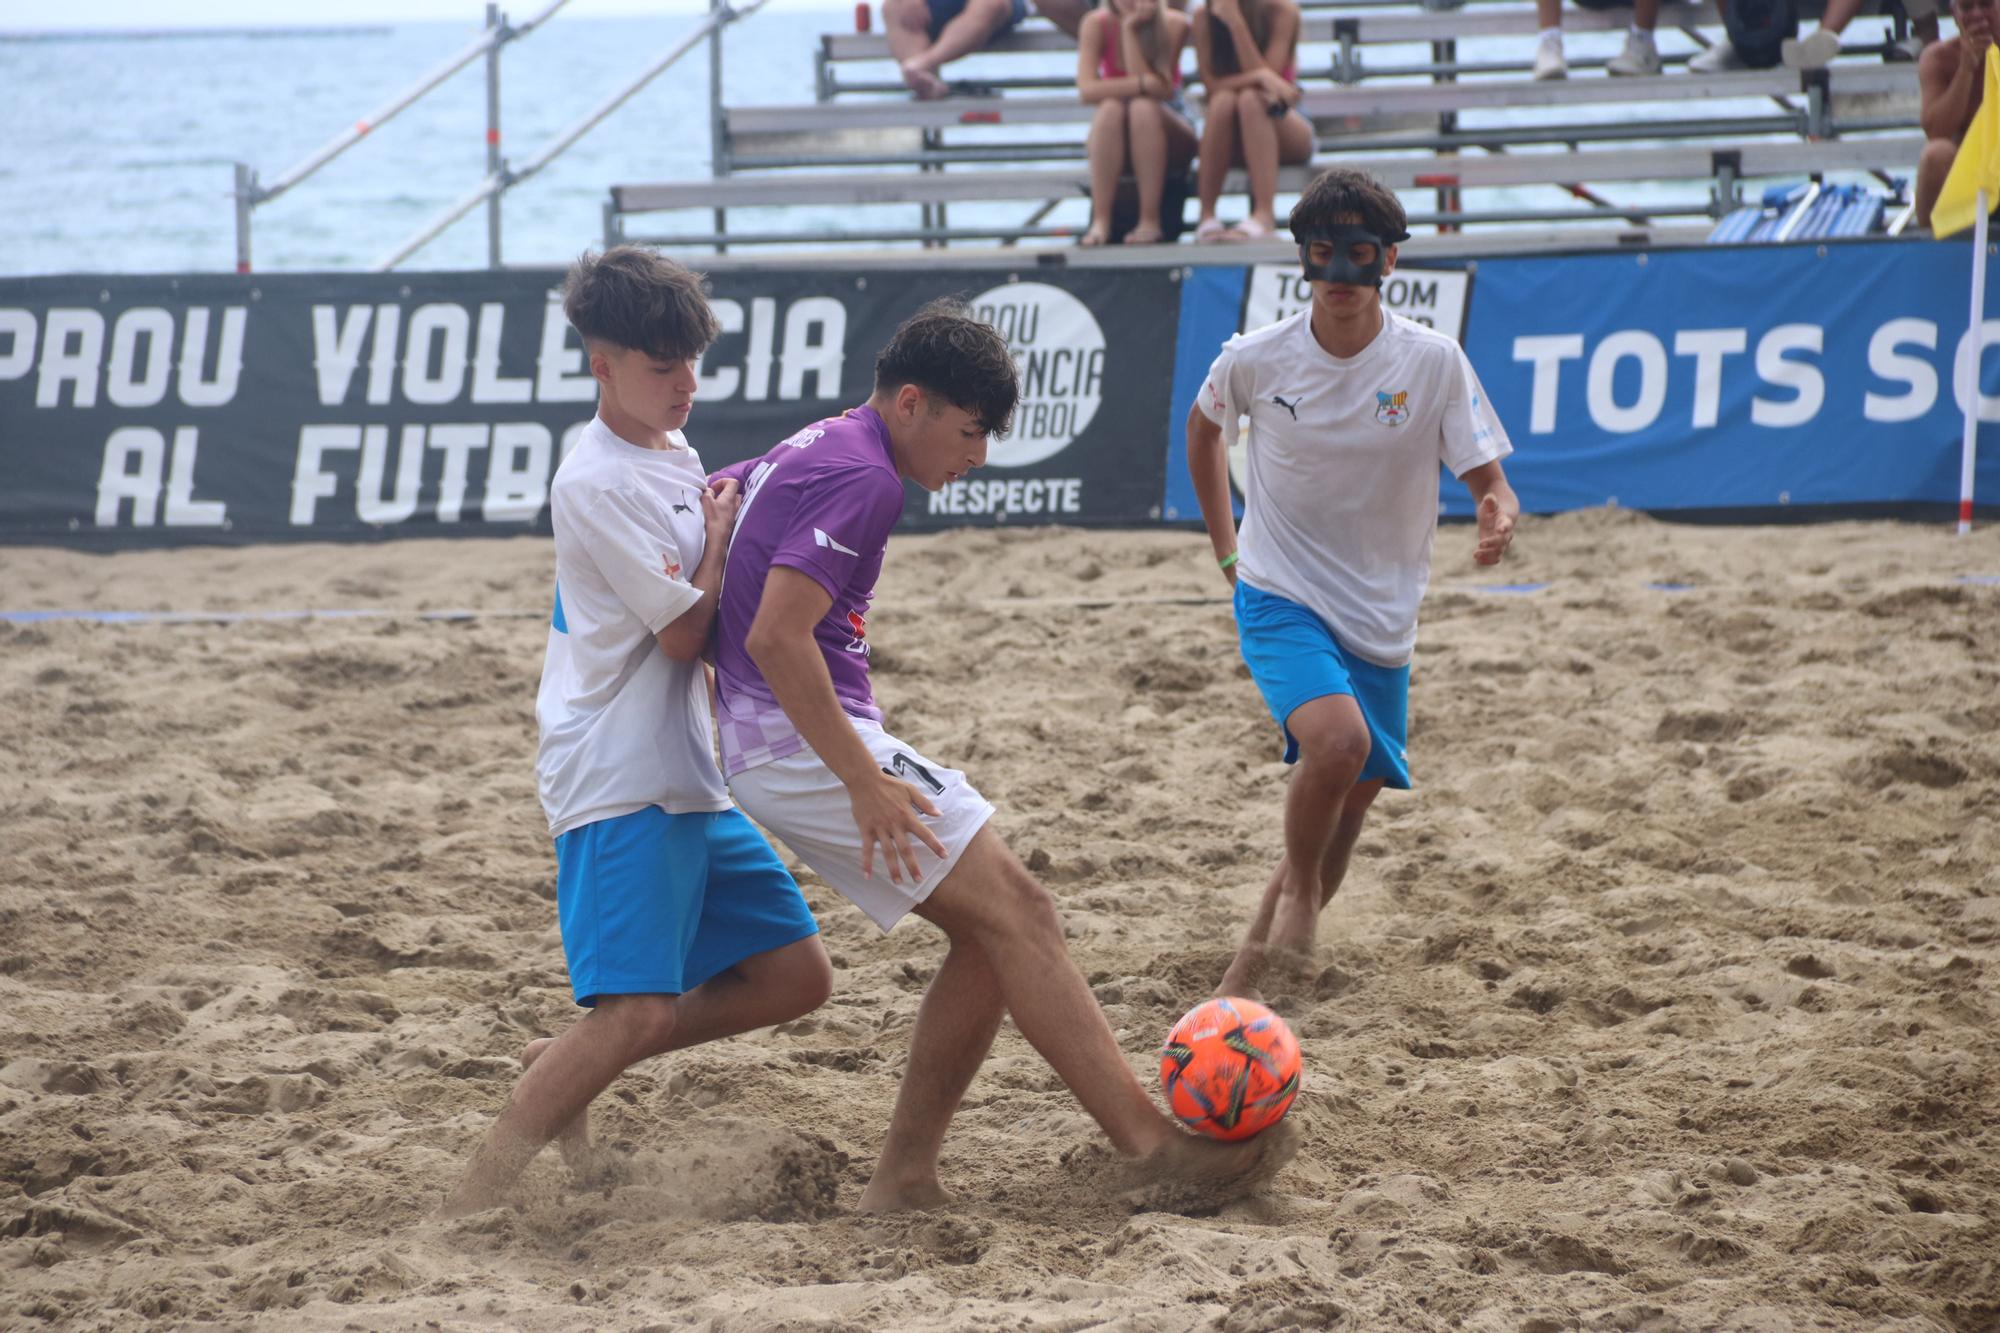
[(656, 904), (1293, 656), (944, 11)]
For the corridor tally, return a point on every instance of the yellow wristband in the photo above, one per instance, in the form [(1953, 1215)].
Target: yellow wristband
[(1226, 561)]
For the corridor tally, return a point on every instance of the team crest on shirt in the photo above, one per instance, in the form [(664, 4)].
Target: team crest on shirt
[(671, 565), (1392, 409), (858, 627)]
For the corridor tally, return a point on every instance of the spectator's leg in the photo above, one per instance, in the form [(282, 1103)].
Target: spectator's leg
[(1148, 128), (1106, 151), (1641, 55), (1221, 148), (1065, 14), (1549, 61), (971, 29), (1260, 163), (1267, 144), (1817, 49), (907, 24), (1932, 168)]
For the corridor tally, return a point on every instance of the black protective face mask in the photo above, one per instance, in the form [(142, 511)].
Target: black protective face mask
[(1342, 268)]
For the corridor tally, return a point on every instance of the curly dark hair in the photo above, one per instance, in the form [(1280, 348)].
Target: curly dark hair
[(1343, 192), (946, 352), (632, 298)]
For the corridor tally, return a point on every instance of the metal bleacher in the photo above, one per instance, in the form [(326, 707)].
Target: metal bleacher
[(1454, 130)]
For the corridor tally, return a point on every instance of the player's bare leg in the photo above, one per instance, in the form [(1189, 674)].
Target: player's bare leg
[(563, 1075), (990, 900), (573, 1139), (1333, 746), (1246, 971), (956, 1023)]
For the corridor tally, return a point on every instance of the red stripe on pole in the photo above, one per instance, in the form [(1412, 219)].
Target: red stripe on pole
[(1435, 180), (1965, 510), (242, 267), (493, 136), (362, 127)]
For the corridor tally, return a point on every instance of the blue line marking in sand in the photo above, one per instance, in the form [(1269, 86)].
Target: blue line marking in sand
[(1989, 580), (1512, 589), (1671, 587), (237, 617)]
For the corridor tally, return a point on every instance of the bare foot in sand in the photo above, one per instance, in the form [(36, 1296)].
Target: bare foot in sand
[(924, 83), (899, 1196), (1258, 968), (1196, 1175), (575, 1137)]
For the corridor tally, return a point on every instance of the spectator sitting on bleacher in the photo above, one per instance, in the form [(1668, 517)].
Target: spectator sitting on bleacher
[(1817, 50), (1069, 14), (926, 34), (1754, 36), (1141, 117), (1247, 54), (1640, 55), (1951, 76)]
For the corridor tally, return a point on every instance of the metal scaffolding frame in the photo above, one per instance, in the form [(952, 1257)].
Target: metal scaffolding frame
[(249, 193)]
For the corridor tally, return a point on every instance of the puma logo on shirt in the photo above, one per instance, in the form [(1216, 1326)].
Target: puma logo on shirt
[(1292, 407)]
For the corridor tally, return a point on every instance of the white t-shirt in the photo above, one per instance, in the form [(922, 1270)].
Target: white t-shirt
[(624, 726), (1341, 498)]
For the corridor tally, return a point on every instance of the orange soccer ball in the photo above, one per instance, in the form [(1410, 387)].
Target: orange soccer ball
[(1230, 1068)]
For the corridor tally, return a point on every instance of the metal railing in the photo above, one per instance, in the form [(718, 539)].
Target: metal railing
[(249, 194)]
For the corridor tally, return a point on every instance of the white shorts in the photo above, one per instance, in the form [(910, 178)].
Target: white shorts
[(801, 802)]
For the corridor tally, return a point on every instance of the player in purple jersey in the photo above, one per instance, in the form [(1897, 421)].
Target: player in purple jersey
[(807, 757)]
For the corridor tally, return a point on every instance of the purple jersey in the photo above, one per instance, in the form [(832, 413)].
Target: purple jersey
[(822, 503)]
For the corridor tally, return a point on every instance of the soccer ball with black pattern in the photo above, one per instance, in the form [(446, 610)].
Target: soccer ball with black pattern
[(1230, 1068)]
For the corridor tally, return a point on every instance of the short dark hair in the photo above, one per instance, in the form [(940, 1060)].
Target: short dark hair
[(1342, 192), (632, 298), (946, 352)]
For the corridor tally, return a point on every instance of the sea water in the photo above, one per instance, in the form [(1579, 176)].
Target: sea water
[(117, 150)]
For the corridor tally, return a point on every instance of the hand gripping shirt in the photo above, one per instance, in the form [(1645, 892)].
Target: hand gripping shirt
[(1341, 498), (822, 503), (623, 726)]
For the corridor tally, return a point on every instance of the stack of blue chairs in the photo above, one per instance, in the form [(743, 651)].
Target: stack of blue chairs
[(1832, 212)]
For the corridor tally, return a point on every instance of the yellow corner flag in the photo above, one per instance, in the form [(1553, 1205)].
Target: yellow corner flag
[(1977, 166)]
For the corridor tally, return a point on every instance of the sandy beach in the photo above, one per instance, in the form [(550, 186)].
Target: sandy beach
[(1669, 1000)]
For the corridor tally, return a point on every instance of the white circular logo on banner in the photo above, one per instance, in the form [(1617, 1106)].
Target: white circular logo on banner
[(1059, 350)]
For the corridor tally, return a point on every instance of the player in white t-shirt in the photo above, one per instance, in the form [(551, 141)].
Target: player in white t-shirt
[(1352, 411), (679, 923)]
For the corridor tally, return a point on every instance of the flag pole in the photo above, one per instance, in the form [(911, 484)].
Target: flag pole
[(1969, 448)]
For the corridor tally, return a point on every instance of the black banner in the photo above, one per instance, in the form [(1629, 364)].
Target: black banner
[(157, 411)]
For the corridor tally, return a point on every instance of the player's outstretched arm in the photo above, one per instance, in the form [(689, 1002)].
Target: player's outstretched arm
[(1498, 508), (685, 637), (1208, 466), (781, 643)]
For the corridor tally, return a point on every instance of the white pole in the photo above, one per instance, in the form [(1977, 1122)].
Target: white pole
[(1969, 449)]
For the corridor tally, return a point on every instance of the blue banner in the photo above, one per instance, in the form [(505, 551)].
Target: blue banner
[(1750, 379)]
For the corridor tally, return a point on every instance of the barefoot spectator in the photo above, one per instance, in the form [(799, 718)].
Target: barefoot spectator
[(1247, 52), (1128, 60), (925, 35)]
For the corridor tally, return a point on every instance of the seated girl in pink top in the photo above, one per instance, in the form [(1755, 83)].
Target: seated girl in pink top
[(1247, 54), (1141, 119)]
